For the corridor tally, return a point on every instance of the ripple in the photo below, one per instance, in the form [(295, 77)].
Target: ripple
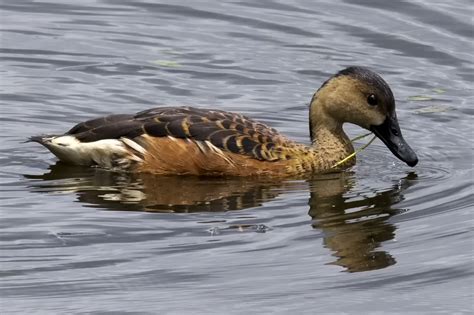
[(432, 173), (99, 241)]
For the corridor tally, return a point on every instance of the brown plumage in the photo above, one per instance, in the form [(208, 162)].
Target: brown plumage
[(193, 141)]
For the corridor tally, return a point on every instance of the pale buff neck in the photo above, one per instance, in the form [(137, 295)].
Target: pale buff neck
[(330, 144)]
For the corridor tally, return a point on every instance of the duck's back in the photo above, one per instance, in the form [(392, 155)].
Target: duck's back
[(175, 140)]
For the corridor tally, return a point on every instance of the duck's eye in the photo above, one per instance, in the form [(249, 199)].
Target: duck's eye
[(372, 100)]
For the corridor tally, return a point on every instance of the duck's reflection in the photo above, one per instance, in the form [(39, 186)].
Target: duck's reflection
[(354, 221), (355, 225), (145, 192)]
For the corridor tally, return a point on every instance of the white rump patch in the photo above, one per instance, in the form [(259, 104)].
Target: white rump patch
[(101, 152)]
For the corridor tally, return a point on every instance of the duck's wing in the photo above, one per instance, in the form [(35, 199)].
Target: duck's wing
[(227, 131), (108, 127)]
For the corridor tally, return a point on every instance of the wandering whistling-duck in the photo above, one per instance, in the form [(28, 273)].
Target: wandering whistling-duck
[(196, 141)]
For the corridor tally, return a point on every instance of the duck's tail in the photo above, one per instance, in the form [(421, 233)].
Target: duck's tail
[(39, 139), (111, 153)]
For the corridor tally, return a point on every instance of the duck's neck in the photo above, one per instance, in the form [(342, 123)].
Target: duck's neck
[(331, 146), (330, 143)]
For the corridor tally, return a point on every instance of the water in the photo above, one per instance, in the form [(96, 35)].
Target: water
[(380, 237)]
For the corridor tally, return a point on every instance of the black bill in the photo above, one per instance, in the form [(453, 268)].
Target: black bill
[(390, 134)]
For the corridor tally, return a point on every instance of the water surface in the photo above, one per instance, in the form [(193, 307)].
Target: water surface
[(380, 237)]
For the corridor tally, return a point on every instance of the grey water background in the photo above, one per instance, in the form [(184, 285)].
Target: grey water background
[(378, 238)]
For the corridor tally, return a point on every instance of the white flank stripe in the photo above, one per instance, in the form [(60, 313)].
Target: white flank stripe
[(132, 144)]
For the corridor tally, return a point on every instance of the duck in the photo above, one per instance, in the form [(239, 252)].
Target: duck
[(208, 142)]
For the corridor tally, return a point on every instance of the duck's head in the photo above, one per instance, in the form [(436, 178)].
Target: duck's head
[(360, 96)]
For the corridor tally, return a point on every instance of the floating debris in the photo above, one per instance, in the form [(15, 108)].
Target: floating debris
[(439, 91), (214, 231), (420, 98), (433, 109), (257, 228), (166, 63), (261, 228)]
